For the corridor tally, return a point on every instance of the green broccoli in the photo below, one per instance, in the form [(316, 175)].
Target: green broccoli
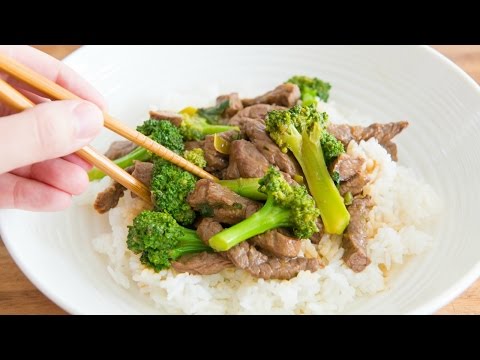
[(300, 130), (311, 88), (163, 132), (214, 113), (331, 147), (245, 187), (286, 206), (196, 156), (336, 178), (170, 187), (195, 127), (160, 240)]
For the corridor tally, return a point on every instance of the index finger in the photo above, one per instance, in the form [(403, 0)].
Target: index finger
[(54, 70)]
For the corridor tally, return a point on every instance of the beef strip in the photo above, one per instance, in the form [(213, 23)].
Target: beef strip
[(203, 263), (347, 166), (207, 228), (254, 112), (109, 198), (220, 203), (284, 95), (316, 237), (143, 172), (118, 149), (174, 118), (255, 131), (190, 145), (355, 184), (252, 124), (352, 177), (247, 257), (278, 243), (234, 105), (355, 237), (216, 161), (245, 161), (384, 133)]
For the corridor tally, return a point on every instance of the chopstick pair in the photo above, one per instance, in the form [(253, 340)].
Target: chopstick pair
[(18, 101)]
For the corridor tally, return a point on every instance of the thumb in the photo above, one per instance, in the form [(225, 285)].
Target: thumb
[(47, 131)]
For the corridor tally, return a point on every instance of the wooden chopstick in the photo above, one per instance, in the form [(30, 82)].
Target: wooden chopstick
[(14, 99), (55, 91)]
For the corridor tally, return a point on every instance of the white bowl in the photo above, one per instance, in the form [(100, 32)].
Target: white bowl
[(387, 82)]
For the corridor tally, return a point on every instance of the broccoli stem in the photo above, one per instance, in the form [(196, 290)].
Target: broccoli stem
[(190, 243), (208, 129), (334, 214), (140, 154), (245, 187), (270, 216)]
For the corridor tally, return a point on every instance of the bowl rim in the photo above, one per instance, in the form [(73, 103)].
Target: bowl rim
[(429, 307)]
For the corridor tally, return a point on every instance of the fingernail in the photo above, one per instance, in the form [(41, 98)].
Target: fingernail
[(88, 120)]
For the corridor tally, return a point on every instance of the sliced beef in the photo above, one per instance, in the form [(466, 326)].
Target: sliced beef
[(190, 145), (347, 166), (316, 237), (108, 198), (254, 112), (355, 184), (245, 161), (255, 131), (173, 117), (203, 263), (216, 161), (353, 178), (247, 257), (234, 105), (143, 172), (118, 149), (221, 204), (252, 124), (278, 243), (384, 133), (231, 135), (283, 95), (207, 228), (355, 237)]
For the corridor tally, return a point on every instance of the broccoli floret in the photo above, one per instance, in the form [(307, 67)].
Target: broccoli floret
[(170, 188), (214, 113), (163, 132), (286, 206), (311, 88), (160, 240), (195, 127), (196, 156), (336, 178), (300, 130), (331, 147), (245, 187)]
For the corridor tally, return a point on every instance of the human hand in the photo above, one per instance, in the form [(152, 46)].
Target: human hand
[(37, 168)]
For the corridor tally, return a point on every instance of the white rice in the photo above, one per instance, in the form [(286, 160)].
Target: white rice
[(397, 227)]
